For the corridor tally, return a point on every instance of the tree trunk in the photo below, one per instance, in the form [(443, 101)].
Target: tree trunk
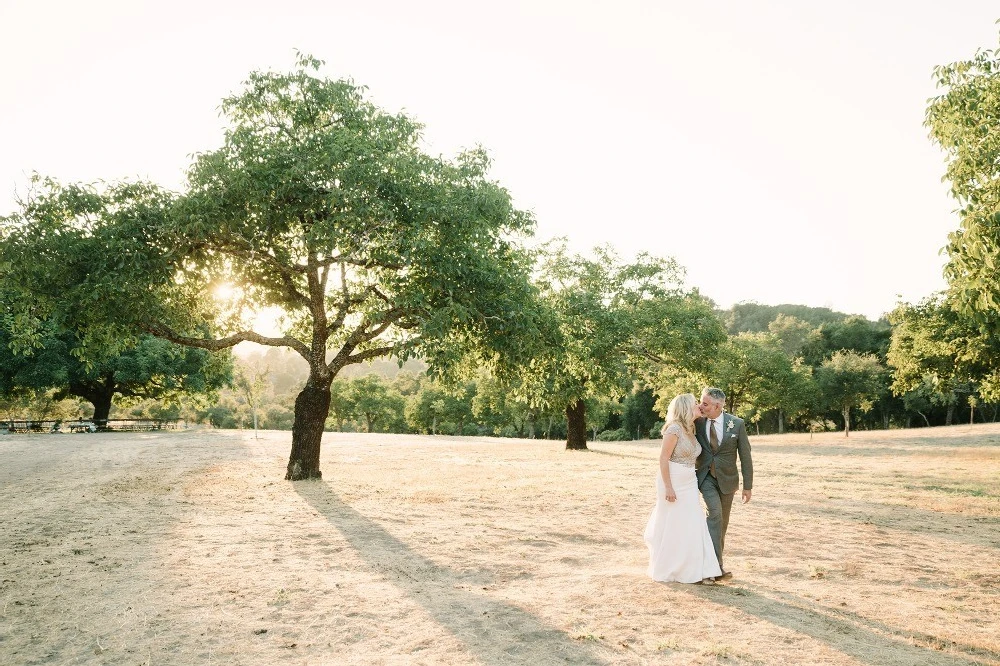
[(847, 421), (102, 405), (950, 415), (576, 425), (924, 417), (311, 408), (781, 422), (99, 393)]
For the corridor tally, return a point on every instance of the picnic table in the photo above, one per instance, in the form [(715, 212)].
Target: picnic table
[(138, 425)]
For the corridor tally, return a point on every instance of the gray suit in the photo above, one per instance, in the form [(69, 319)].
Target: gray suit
[(718, 490)]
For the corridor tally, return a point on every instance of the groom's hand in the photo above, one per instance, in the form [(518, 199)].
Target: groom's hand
[(746, 496)]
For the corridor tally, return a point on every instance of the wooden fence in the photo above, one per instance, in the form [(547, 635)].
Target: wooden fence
[(92, 425)]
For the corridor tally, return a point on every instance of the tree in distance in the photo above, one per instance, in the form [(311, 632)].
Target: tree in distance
[(849, 379), (151, 368), (250, 379), (318, 203), (373, 401), (757, 375), (938, 353), (614, 320)]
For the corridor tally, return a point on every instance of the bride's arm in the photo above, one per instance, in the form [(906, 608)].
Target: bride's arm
[(667, 450)]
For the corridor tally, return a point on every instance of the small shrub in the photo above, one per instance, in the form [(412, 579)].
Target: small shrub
[(618, 435)]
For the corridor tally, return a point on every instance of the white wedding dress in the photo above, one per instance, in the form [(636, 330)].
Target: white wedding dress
[(680, 547)]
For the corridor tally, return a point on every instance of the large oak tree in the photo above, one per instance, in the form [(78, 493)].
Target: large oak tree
[(318, 203)]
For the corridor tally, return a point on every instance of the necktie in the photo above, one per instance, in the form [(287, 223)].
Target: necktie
[(713, 439)]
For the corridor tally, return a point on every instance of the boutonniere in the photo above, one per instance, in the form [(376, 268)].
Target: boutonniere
[(730, 426)]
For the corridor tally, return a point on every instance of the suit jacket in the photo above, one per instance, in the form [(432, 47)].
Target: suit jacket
[(734, 442)]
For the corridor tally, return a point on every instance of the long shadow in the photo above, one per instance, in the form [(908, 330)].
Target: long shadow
[(952, 527), (943, 448), (869, 641), (652, 456), (495, 632)]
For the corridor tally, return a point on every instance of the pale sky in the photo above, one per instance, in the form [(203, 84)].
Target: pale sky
[(776, 149)]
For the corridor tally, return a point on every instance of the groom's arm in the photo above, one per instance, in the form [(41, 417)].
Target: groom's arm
[(746, 461)]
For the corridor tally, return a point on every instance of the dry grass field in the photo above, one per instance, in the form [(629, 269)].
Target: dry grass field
[(189, 548)]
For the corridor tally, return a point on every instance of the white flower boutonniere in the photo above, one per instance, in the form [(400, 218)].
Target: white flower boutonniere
[(732, 424)]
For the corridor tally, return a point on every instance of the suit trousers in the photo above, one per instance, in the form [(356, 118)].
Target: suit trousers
[(719, 505)]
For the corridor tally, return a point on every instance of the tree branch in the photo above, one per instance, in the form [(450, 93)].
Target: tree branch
[(642, 352), (340, 259), (369, 354), (344, 307), (317, 306), (217, 344), (361, 335)]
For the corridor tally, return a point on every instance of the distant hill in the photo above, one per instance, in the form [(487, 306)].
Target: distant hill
[(754, 317)]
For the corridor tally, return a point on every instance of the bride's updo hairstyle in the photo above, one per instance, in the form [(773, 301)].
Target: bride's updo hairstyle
[(681, 411)]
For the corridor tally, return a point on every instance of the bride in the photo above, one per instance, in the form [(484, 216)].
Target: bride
[(680, 547)]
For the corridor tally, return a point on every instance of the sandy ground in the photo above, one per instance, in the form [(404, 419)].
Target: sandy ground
[(189, 548)]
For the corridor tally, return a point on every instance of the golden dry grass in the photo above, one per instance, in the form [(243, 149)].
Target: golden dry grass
[(188, 548)]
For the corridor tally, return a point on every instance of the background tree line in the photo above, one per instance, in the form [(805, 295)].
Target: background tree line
[(784, 368)]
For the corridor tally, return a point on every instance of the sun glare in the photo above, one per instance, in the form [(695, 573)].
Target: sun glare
[(225, 292)]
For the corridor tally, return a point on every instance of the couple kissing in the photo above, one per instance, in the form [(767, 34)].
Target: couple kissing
[(698, 463)]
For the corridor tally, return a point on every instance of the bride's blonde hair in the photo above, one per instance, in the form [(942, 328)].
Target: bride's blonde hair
[(681, 411)]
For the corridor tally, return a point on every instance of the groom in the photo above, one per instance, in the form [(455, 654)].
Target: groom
[(721, 436)]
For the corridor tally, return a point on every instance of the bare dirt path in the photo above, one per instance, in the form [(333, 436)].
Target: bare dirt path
[(189, 548)]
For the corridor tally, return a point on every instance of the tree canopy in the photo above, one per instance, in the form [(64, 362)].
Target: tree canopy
[(965, 122)]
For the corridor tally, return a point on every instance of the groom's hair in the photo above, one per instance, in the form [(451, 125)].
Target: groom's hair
[(715, 394)]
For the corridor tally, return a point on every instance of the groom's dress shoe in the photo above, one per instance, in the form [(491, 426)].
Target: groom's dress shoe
[(726, 575)]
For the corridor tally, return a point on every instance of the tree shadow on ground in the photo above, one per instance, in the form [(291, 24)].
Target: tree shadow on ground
[(868, 449), (935, 524), (869, 641), (649, 457), (492, 631)]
